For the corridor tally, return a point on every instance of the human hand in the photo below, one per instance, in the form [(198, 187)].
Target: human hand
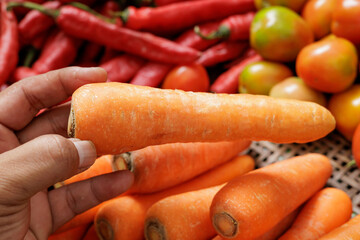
[(34, 154)]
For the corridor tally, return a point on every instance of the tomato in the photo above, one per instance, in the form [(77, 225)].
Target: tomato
[(329, 65), (295, 5), (346, 20), (317, 13), (259, 77), (278, 34), (295, 88), (355, 145), (345, 107), (192, 77)]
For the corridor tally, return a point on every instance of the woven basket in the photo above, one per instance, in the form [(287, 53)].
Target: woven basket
[(334, 146)]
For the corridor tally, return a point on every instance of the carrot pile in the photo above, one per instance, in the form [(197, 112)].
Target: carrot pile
[(187, 149)]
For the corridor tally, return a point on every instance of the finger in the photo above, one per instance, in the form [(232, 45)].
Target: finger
[(20, 102), (53, 121), (68, 201), (40, 163), (8, 139)]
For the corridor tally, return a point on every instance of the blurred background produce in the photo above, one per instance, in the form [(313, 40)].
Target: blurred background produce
[(304, 49)]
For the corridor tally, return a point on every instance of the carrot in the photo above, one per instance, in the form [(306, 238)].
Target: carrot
[(120, 117), (251, 205), (124, 217), (348, 231), (101, 166), (277, 230), (158, 167), (182, 216), (91, 234), (325, 211), (75, 233)]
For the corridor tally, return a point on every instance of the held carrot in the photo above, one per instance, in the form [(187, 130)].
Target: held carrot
[(124, 217), (76, 233), (101, 166), (252, 204), (91, 234), (120, 117), (183, 216), (349, 231), (158, 167), (325, 211)]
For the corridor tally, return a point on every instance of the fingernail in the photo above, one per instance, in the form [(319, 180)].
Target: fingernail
[(86, 151)]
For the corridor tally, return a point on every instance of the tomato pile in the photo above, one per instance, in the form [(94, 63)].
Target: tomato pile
[(296, 49)]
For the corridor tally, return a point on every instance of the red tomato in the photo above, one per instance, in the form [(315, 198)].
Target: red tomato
[(329, 65), (192, 77), (345, 107), (317, 13), (346, 20), (355, 145)]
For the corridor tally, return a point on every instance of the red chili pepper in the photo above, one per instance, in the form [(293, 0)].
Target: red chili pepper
[(89, 53), (151, 74), (21, 11), (87, 2), (167, 2), (228, 81), (176, 17), (35, 22), (59, 51), (84, 25), (222, 52), (236, 27), (190, 39), (122, 68), (9, 43), (39, 41), (21, 73), (248, 53)]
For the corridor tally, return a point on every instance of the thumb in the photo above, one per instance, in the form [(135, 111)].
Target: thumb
[(42, 162)]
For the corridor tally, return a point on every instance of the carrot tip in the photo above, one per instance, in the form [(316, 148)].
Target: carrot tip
[(104, 230), (123, 162), (71, 123), (225, 224), (154, 230)]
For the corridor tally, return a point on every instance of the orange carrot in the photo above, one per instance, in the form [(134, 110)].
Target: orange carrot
[(348, 231), (102, 165), (120, 117), (183, 216), (325, 211), (276, 231), (71, 234), (124, 217), (162, 166), (91, 234), (252, 204)]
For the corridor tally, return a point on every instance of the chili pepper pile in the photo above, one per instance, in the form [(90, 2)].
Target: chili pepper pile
[(135, 41)]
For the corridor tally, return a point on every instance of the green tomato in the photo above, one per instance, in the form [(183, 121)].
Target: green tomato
[(295, 5), (278, 34), (260, 77), (295, 88)]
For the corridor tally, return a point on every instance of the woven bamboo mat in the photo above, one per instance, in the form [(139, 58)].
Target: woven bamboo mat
[(334, 146)]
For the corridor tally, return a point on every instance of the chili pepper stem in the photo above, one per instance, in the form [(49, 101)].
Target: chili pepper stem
[(90, 10), (30, 56), (30, 5), (123, 15), (222, 32)]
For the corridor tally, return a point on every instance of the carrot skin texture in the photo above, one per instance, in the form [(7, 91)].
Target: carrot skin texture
[(222, 52), (183, 216), (122, 68), (325, 211), (228, 82), (265, 196), (182, 15), (101, 166), (170, 161), (349, 230), (124, 218), (161, 116)]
